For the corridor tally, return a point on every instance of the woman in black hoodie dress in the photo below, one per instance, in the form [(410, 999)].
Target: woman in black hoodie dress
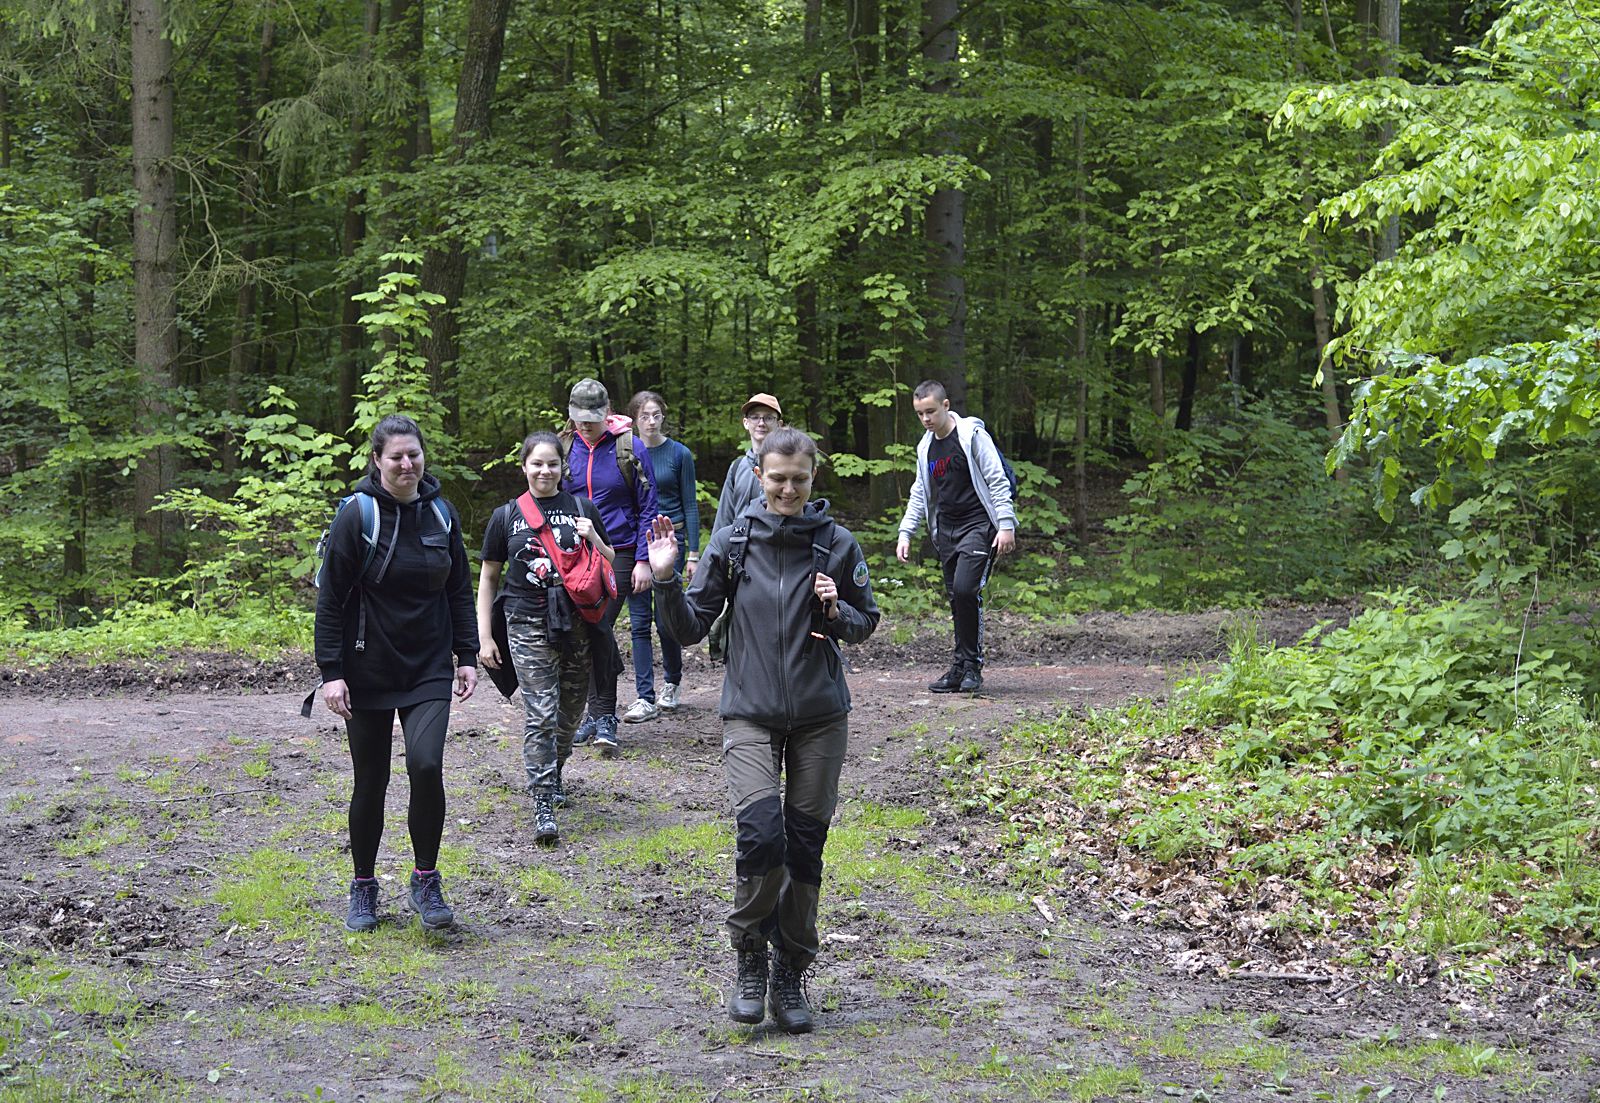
[(395, 633)]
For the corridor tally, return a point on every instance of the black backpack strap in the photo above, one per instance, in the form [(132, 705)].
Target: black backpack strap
[(737, 543), (821, 550)]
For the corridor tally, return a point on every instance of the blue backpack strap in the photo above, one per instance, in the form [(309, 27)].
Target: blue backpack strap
[(440, 513), (368, 507)]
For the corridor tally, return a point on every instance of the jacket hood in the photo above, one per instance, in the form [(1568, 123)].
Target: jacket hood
[(427, 490), (764, 520), (617, 424)]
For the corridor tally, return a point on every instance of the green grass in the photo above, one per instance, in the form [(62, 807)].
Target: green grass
[(271, 888)]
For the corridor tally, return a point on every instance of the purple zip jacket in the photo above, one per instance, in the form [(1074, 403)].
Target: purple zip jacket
[(626, 510)]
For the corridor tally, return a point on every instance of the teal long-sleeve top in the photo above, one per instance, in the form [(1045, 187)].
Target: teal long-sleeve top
[(674, 466)]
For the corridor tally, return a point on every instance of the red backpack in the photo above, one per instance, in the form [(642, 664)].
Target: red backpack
[(585, 574)]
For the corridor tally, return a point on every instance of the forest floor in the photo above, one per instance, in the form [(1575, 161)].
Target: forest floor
[(175, 872)]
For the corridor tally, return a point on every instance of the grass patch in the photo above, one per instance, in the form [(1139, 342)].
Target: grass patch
[(270, 888)]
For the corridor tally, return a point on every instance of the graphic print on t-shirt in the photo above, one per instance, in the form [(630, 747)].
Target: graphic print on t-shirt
[(950, 480), (508, 535)]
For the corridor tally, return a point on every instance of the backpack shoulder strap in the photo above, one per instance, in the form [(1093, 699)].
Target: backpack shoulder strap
[(367, 507), (737, 543), (441, 513), (821, 551)]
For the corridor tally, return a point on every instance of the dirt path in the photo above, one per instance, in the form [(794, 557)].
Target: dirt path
[(174, 879)]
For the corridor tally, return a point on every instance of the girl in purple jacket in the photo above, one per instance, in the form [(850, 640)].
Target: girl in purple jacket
[(624, 489)]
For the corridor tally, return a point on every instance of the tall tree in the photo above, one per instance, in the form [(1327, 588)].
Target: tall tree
[(444, 269), (946, 218), (155, 252)]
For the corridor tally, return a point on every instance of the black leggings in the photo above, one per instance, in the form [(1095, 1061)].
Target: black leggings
[(371, 745)]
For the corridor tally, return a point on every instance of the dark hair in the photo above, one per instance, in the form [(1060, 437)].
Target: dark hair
[(787, 442), (544, 436), (636, 403), (930, 388), (394, 425)]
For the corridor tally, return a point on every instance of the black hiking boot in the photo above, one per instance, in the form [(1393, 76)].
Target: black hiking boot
[(747, 999), (544, 820), (950, 681), (363, 914), (558, 798), (972, 680), (788, 998), (427, 900)]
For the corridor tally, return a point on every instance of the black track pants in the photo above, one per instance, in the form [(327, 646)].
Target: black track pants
[(371, 734), (965, 557)]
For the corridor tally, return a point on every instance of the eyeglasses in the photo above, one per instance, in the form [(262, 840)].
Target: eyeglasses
[(764, 419)]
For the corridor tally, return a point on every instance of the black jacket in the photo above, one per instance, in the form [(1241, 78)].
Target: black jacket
[(416, 616), (777, 675)]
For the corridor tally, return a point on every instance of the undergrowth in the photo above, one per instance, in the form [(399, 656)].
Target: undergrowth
[(1423, 780)]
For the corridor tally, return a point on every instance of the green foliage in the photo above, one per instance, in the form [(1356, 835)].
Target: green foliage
[(1452, 736), (1238, 512), (261, 537), (398, 382)]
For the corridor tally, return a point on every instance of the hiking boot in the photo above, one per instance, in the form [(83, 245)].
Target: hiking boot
[(972, 680), (544, 820), (668, 698), (950, 681), (585, 732), (747, 999), (640, 711), (427, 900), (363, 914), (605, 736), (788, 998), (558, 796)]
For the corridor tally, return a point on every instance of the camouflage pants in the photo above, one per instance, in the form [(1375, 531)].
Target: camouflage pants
[(555, 687)]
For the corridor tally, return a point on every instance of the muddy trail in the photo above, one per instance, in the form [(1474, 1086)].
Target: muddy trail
[(175, 873)]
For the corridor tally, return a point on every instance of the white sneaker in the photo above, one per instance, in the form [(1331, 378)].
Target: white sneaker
[(640, 711), (667, 700)]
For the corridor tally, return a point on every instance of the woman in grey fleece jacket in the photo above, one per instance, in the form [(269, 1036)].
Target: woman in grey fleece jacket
[(804, 588)]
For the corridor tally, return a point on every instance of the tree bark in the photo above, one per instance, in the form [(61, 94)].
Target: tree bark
[(945, 220), (1158, 404), (444, 270), (242, 354), (1389, 33), (5, 123), (353, 230), (155, 250), (1191, 381), (807, 324)]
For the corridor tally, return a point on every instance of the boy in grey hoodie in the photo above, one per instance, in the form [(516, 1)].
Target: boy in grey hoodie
[(962, 490)]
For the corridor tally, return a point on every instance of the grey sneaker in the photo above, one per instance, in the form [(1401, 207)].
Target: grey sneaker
[(667, 700), (427, 900), (640, 711), (363, 914), (605, 736)]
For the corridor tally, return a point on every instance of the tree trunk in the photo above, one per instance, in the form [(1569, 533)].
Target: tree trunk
[(242, 353), (155, 250), (807, 332), (444, 270), (5, 124), (1080, 436), (1158, 404), (352, 342), (1389, 33), (1191, 381), (945, 221)]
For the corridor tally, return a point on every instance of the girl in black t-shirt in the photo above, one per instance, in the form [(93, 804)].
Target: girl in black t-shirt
[(554, 679)]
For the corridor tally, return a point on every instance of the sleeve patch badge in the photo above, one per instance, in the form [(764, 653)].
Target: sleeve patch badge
[(859, 575)]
